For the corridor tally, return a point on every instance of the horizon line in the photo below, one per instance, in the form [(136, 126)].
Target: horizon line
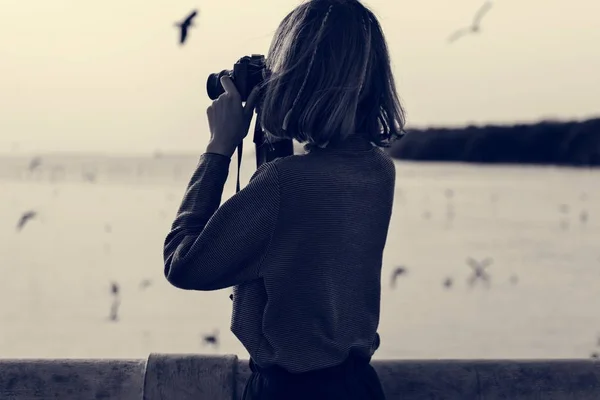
[(157, 153)]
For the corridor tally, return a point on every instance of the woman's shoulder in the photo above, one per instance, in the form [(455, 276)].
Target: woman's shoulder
[(385, 157)]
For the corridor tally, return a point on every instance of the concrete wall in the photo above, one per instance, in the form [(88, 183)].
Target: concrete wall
[(197, 377)]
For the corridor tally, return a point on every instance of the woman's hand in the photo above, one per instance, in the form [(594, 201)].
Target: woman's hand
[(228, 120)]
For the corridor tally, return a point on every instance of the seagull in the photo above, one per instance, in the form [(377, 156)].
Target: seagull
[(397, 272), (479, 273), (114, 308), (448, 283), (185, 25), (475, 26), (212, 339), (24, 218), (114, 288)]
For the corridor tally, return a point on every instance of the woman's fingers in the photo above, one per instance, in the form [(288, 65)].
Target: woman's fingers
[(229, 87)]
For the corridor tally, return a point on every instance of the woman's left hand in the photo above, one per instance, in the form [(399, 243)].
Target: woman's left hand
[(228, 120)]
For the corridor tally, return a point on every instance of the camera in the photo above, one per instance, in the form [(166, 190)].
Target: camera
[(247, 73)]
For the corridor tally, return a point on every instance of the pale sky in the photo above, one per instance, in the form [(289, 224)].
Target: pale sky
[(109, 75)]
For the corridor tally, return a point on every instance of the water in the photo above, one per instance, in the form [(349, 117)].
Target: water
[(56, 273)]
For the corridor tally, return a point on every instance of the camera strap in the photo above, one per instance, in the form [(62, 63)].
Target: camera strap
[(239, 153)]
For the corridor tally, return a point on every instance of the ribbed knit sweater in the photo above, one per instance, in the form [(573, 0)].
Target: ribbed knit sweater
[(302, 245)]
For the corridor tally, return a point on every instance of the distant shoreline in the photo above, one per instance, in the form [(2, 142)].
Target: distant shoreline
[(558, 143), (571, 143)]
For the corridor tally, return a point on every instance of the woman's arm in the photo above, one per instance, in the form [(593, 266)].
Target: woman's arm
[(211, 247)]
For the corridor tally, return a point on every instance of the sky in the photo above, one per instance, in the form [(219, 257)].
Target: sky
[(109, 76)]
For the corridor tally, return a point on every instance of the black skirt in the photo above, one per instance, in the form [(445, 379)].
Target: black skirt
[(355, 379)]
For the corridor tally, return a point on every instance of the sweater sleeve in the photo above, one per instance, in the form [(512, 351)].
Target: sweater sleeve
[(211, 247)]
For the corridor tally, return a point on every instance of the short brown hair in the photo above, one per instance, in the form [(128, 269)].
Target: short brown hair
[(329, 72)]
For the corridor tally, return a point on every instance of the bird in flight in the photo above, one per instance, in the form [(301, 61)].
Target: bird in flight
[(475, 26), (396, 273), (114, 288), (448, 283), (479, 272), (185, 25), (25, 218), (114, 307), (211, 339)]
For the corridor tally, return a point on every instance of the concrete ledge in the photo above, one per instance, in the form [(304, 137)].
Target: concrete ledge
[(71, 379), (189, 377), (183, 377), (490, 380)]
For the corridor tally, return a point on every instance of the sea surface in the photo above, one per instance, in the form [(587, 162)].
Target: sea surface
[(103, 219)]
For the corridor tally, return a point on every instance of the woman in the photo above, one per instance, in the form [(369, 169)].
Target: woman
[(302, 243)]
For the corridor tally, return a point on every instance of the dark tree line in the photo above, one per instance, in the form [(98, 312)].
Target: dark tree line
[(574, 143)]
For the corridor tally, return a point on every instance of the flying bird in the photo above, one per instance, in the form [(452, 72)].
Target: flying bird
[(212, 339), (114, 288), (397, 272), (25, 218), (448, 283), (475, 26), (114, 307), (185, 25), (479, 272)]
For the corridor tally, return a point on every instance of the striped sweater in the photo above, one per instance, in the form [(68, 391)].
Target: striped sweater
[(302, 245)]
